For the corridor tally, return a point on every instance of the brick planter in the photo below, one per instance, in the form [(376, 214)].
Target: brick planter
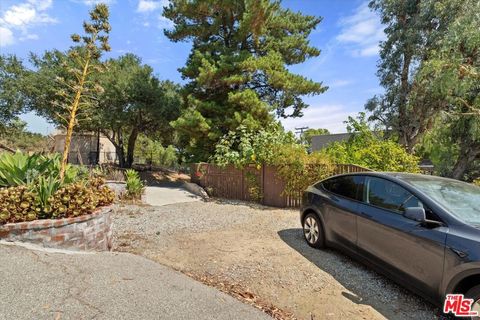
[(88, 232)]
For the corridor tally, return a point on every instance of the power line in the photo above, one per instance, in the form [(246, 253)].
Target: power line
[(300, 130)]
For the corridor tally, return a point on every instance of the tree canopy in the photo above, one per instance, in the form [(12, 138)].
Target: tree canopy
[(238, 67), (134, 102)]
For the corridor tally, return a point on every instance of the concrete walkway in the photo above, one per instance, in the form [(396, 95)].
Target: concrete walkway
[(46, 285), (168, 193)]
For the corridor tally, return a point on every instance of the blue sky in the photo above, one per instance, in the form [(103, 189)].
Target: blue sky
[(348, 37)]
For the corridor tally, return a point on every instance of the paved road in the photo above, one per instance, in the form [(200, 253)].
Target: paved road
[(168, 193), (46, 285)]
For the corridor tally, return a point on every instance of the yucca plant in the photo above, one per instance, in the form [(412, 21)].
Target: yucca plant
[(134, 184)]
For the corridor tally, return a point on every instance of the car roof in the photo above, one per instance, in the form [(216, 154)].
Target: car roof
[(404, 176)]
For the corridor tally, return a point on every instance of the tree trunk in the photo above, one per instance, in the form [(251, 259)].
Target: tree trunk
[(403, 122), (131, 146), (468, 154)]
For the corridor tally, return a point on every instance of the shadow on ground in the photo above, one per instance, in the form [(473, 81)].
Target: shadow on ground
[(352, 275)]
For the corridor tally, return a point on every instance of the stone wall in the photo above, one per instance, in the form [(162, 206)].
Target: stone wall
[(88, 232)]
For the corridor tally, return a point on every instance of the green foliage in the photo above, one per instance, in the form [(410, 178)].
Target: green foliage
[(31, 188), (238, 68), (49, 200), (15, 136), (306, 137), (21, 169), (414, 29), (452, 71), (254, 189), (365, 148), (151, 151), (133, 184), (440, 146), (135, 103), (272, 146), (12, 99), (299, 169), (242, 146), (44, 189)]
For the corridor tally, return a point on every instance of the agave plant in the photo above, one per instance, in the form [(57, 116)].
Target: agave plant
[(133, 184), (44, 190), (20, 169)]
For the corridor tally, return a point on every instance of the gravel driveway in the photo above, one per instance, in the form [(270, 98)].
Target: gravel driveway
[(259, 254)]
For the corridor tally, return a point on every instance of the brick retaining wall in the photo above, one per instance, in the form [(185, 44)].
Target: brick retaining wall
[(88, 232)]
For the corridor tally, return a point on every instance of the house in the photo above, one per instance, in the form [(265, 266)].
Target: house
[(86, 148), (321, 141)]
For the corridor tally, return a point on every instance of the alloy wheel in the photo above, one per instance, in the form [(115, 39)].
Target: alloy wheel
[(311, 230)]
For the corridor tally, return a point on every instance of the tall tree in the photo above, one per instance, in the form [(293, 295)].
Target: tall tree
[(238, 67), (452, 74), (12, 99), (134, 102), (85, 57), (413, 29)]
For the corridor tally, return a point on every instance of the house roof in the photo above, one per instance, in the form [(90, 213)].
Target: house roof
[(321, 141)]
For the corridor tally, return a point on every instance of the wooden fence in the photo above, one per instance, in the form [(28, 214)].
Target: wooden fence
[(233, 183)]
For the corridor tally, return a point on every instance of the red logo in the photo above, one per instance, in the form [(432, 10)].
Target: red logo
[(459, 306)]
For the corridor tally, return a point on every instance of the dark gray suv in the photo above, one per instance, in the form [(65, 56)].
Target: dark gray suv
[(421, 231)]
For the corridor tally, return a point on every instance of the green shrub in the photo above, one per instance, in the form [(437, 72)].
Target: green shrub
[(151, 151), (367, 149), (273, 146), (133, 184), (299, 169), (30, 189), (21, 169), (22, 203)]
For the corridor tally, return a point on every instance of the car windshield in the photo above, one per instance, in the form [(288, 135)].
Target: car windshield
[(460, 198)]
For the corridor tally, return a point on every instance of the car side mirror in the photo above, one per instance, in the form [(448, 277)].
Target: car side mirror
[(416, 214)]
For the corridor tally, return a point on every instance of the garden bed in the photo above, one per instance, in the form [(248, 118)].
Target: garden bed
[(87, 232)]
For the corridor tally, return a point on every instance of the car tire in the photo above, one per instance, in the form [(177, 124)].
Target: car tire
[(313, 231), (474, 293)]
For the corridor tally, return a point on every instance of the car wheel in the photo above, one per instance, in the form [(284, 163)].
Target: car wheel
[(474, 293), (313, 231)]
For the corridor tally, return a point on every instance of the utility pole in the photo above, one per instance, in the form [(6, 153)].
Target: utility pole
[(300, 130)]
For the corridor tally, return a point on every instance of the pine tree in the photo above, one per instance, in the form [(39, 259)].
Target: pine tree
[(238, 67)]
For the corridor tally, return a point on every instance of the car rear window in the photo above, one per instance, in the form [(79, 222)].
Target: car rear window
[(346, 186)]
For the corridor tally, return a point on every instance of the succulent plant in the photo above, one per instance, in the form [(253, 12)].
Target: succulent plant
[(27, 203)]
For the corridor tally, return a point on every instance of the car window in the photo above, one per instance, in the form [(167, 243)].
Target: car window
[(346, 186), (389, 195)]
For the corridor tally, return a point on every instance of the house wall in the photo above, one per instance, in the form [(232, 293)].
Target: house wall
[(83, 148)]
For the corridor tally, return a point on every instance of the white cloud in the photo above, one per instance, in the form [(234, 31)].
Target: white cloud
[(6, 37), (41, 4), (339, 83), (21, 17), (94, 2), (164, 23), (30, 37), (362, 32), (148, 5), (330, 117)]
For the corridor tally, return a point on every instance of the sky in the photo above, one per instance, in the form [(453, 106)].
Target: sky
[(348, 38)]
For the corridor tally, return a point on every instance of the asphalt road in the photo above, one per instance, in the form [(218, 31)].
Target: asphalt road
[(49, 285)]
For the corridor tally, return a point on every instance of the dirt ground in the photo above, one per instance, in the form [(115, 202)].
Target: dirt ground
[(260, 252)]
